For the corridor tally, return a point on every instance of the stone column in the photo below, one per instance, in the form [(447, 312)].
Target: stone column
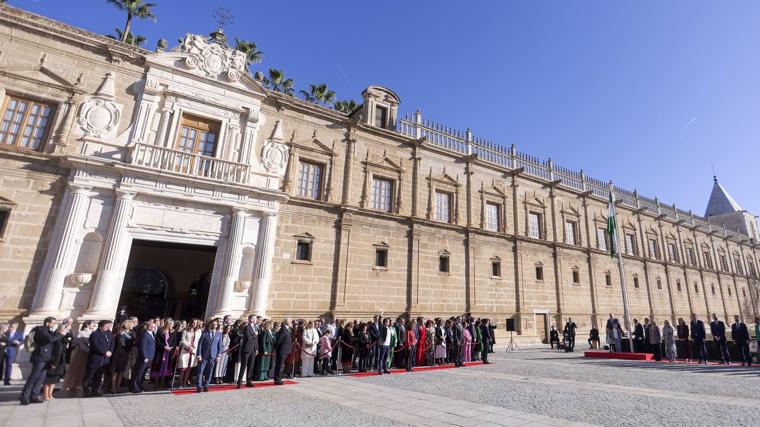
[(232, 258), (166, 115), (263, 267), (112, 260), (60, 253)]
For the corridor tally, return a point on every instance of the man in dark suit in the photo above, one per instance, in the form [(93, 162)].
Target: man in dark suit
[(374, 334), (146, 350), (401, 354), (209, 351), (553, 337), (472, 326), (638, 337), (101, 348), (740, 335), (570, 328), (718, 331), (646, 346), (384, 346), (486, 337), (283, 345), (593, 337), (698, 334), (44, 339), (249, 347), (457, 339)]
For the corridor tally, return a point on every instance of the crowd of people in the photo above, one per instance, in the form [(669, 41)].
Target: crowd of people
[(106, 358), (685, 341)]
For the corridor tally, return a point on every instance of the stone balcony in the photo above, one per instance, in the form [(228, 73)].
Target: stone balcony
[(189, 164)]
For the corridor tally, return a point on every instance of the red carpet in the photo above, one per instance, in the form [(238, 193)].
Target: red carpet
[(229, 387), (417, 369), (622, 356), (648, 357)]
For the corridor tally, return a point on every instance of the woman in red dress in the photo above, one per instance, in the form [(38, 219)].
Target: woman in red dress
[(421, 346)]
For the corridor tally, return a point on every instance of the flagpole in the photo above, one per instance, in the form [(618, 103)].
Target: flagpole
[(621, 268)]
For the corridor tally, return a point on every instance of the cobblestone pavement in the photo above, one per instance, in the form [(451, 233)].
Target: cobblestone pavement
[(528, 388)]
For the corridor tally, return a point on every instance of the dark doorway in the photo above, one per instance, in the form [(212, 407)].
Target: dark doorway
[(166, 280)]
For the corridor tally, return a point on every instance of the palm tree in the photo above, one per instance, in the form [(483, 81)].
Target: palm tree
[(345, 106), (318, 94), (135, 9), (252, 53), (278, 83), (130, 39)]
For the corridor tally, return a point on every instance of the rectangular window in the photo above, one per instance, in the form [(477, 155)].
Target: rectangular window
[(630, 244), (24, 123), (303, 250), (570, 231), (534, 225), (539, 272), (692, 257), (608, 279), (382, 194), (5, 215), (659, 284), (381, 257), (708, 259), (696, 288), (496, 268), (678, 285), (738, 264), (673, 252), (310, 180), (750, 264), (493, 217), (381, 116), (576, 277), (601, 239), (198, 135), (442, 206), (636, 282), (724, 263), (653, 250), (443, 264)]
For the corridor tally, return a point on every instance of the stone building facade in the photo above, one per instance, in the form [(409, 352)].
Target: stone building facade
[(140, 166)]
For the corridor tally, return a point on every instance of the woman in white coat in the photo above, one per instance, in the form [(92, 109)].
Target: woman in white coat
[(188, 346), (309, 349)]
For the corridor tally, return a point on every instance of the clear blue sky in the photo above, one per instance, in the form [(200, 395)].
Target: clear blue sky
[(643, 92)]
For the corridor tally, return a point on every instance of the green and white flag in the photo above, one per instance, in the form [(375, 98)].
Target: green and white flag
[(612, 226)]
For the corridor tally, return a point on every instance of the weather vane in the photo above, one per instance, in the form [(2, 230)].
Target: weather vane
[(223, 16)]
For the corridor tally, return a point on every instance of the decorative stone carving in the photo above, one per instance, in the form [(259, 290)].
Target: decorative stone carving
[(99, 115), (79, 280), (274, 155), (242, 285), (213, 59)]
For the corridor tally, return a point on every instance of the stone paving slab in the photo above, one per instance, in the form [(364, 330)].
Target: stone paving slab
[(533, 388)]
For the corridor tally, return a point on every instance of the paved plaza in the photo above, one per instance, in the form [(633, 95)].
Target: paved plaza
[(529, 388)]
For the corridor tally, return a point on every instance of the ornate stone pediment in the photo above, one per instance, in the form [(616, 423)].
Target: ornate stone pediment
[(212, 59)]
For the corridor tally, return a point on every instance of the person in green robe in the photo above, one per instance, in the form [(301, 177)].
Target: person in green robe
[(266, 346)]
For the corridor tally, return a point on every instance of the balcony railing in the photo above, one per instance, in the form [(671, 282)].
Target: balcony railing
[(189, 164), (463, 143)]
